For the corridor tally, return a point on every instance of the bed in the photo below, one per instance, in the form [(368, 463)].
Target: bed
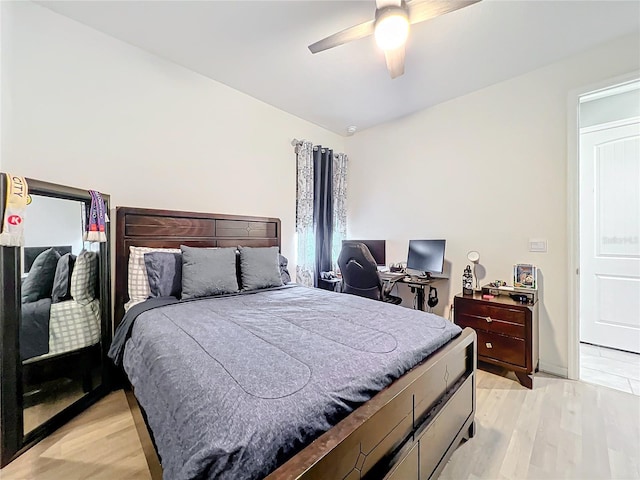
[(388, 412), (63, 328)]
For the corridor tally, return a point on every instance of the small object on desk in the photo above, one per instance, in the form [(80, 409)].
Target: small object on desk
[(467, 281), (522, 295), (330, 275), (474, 257), (487, 296), (525, 276)]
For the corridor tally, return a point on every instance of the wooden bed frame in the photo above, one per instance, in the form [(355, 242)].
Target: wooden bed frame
[(407, 431)]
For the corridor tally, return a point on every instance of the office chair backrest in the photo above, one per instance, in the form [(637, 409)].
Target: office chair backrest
[(359, 271)]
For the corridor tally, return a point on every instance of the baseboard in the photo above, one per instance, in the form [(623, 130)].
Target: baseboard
[(554, 370)]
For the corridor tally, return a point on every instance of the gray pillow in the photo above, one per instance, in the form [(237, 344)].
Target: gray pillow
[(164, 271), (39, 282), (259, 268), (61, 290), (208, 271), (284, 272)]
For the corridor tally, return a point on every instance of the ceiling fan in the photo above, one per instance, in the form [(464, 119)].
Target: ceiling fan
[(391, 27)]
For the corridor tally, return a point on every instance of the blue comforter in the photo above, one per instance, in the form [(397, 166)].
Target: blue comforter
[(234, 386)]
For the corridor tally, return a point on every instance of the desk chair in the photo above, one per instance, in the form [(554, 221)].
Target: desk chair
[(360, 274)]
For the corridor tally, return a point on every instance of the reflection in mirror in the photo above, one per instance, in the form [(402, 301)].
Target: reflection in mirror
[(60, 312)]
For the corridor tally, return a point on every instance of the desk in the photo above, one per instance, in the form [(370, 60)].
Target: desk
[(417, 285), (392, 277), (333, 284)]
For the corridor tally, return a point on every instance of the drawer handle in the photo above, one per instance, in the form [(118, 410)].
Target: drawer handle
[(488, 319), (489, 345)]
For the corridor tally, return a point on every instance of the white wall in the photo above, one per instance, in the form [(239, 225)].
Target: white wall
[(53, 222), (487, 171), (90, 111)]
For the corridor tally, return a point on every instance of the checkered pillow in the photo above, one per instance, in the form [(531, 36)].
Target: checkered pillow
[(73, 326), (139, 289), (84, 276)]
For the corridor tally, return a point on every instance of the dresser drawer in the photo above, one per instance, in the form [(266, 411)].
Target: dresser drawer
[(507, 331), (490, 324), (488, 311), (506, 349)]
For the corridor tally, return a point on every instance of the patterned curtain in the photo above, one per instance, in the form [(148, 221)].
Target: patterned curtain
[(306, 241), (340, 161)]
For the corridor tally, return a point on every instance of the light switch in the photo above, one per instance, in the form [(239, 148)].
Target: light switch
[(537, 245)]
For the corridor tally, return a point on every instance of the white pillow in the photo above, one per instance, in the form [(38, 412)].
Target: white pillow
[(139, 289)]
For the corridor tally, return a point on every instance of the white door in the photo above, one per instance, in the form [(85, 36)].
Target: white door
[(610, 236)]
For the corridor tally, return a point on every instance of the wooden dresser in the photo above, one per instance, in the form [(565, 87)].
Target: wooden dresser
[(507, 332)]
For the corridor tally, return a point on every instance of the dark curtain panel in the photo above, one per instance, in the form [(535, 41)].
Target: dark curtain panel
[(323, 208)]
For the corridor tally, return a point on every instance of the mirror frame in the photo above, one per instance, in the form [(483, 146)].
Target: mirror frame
[(13, 441)]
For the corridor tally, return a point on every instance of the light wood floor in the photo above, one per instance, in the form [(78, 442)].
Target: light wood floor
[(99, 444), (610, 368), (560, 429)]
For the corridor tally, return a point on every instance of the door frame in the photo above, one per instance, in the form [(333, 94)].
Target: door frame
[(573, 212)]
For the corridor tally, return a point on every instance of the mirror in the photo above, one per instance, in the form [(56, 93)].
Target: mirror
[(55, 311), (60, 322)]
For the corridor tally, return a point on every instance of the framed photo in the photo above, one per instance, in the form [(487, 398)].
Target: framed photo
[(525, 276)]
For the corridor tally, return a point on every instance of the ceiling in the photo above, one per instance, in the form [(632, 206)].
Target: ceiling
[(260, 48)]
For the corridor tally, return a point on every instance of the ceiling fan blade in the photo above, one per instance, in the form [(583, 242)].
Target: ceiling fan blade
[(395, 61), (421, 10), (385, 3), (348, 35)]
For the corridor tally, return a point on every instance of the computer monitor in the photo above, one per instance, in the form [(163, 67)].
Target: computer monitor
[(377, 248), (426, 255)]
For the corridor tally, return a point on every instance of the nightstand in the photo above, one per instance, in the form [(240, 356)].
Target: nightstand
[(507, 332)]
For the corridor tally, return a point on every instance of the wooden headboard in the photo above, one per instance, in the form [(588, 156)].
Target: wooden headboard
[(141, 227)]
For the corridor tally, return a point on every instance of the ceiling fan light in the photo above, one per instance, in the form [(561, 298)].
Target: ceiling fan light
[(392, 29)]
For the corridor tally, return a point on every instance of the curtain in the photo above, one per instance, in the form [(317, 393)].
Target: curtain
[(340, 161), (306, 242), (323, 209), (321, 214)]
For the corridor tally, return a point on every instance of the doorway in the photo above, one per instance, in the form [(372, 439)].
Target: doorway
[(609, 237)]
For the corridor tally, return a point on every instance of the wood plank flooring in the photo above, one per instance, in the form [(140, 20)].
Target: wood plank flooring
[(99, 444), (559, 430)]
